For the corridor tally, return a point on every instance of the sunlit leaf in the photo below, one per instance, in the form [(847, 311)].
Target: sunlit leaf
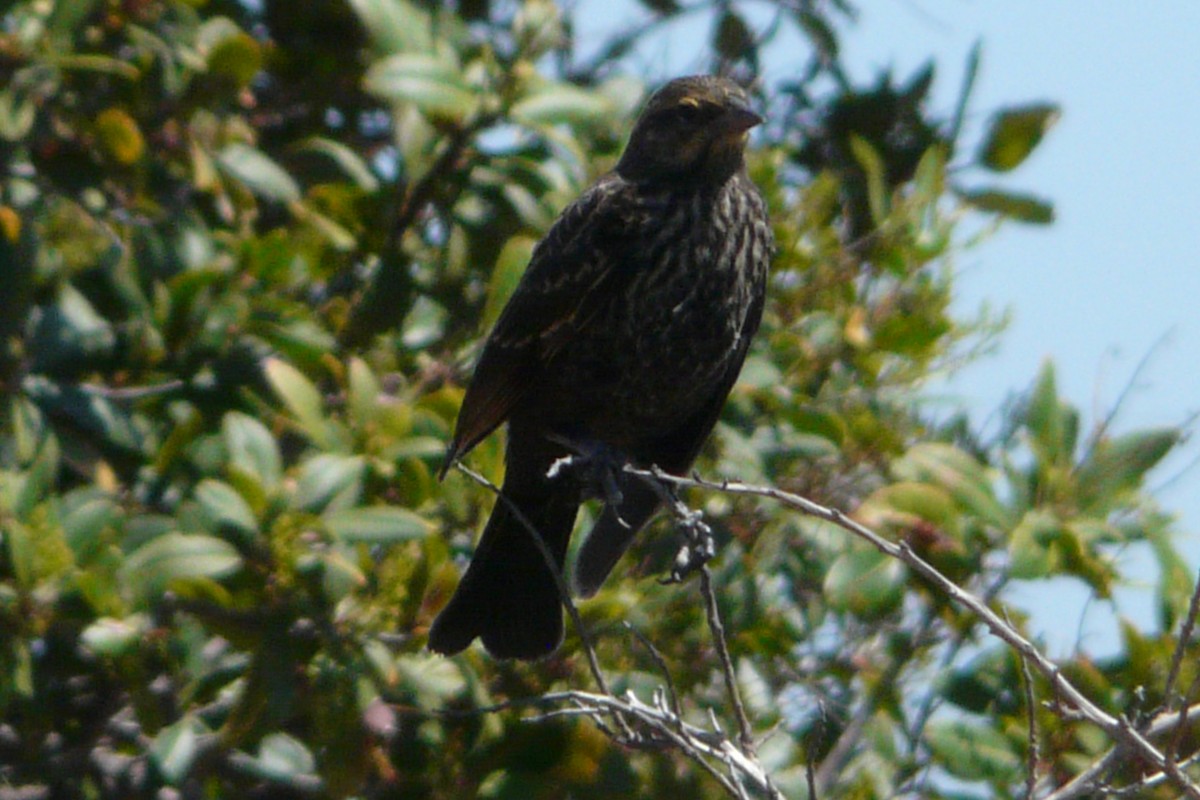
[(281, 757), (152, 567), (114, 637), (349, 162), (1029, 546), (865, 582), (304, 401), (554, 103), (175, 748), (237, 58), (330, 482), (1120, 464), (964, 478), (873, 167), (226, 509), (1014, 133), (433, 85), (1021, 207), (973, 752), (395, 26), (377, 524), (258, 172), (510, 266), (252, 448)]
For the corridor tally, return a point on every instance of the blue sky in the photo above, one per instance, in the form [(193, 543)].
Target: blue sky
[(1115, 278)]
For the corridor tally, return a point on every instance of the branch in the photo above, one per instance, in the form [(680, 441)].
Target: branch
[(1118, 728), (1086, 783), (661, 726)]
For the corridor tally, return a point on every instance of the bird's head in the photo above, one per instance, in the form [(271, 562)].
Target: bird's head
[(691, 130)]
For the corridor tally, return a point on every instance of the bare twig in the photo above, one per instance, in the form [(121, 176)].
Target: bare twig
[(669, 682), (660, 726), (699, 541), (745, 737), (1086, 783), (1185, 639), (1031, 778)]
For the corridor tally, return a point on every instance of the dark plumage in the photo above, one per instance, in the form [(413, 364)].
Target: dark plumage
[(626, 333)]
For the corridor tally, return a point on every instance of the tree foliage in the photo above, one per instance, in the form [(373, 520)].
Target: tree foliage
[(247, 252)]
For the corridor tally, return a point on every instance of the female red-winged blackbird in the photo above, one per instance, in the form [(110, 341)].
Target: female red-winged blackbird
[(625, 334)]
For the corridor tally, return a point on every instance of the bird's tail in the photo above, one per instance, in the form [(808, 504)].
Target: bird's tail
[(508, 597), (612, 534)]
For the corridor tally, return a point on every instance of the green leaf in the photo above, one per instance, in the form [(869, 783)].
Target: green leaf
[(17, 115), (70, 332), (114, 637), (907, 503), (424, 323), (281, 757), (238, 58), (340, 575), (377, 525), (152, 567), (1021, 207), (330, 482), (1045, 420), (225, 509), (362, 391), (865, 583), (432, 84), (510, 266), (557, 103), (959, 474), (1118, 465), (433, 680), (984, 684), (175, 748), (873, 168), (1029, 546), (304, 401), (258, 172), (733, 38), (68, 15), (349, 162), (395, 26), (820, 34), (252, 448), (973, 752), (83, 524), (119, 136), (1014, 133)]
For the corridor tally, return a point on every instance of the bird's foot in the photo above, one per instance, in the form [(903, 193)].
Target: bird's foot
[(699, 545), (596, 465)]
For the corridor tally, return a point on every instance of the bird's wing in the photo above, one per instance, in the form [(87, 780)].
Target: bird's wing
[(579, 256)]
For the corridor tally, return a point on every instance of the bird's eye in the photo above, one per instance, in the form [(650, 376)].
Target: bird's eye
[(689, 113)]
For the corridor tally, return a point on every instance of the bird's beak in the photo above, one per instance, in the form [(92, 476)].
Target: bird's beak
[(739, 119)]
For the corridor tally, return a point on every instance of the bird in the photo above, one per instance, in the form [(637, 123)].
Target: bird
[(621, 342)]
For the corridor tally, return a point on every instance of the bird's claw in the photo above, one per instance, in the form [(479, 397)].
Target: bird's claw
[(698, 548), (596, 465)]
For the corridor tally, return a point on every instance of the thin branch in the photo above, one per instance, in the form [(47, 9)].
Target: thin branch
[(697, 743), (699, 548), (745, 736), (661, 662), (1185, 639), (1086, 783), (1031, 778)]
